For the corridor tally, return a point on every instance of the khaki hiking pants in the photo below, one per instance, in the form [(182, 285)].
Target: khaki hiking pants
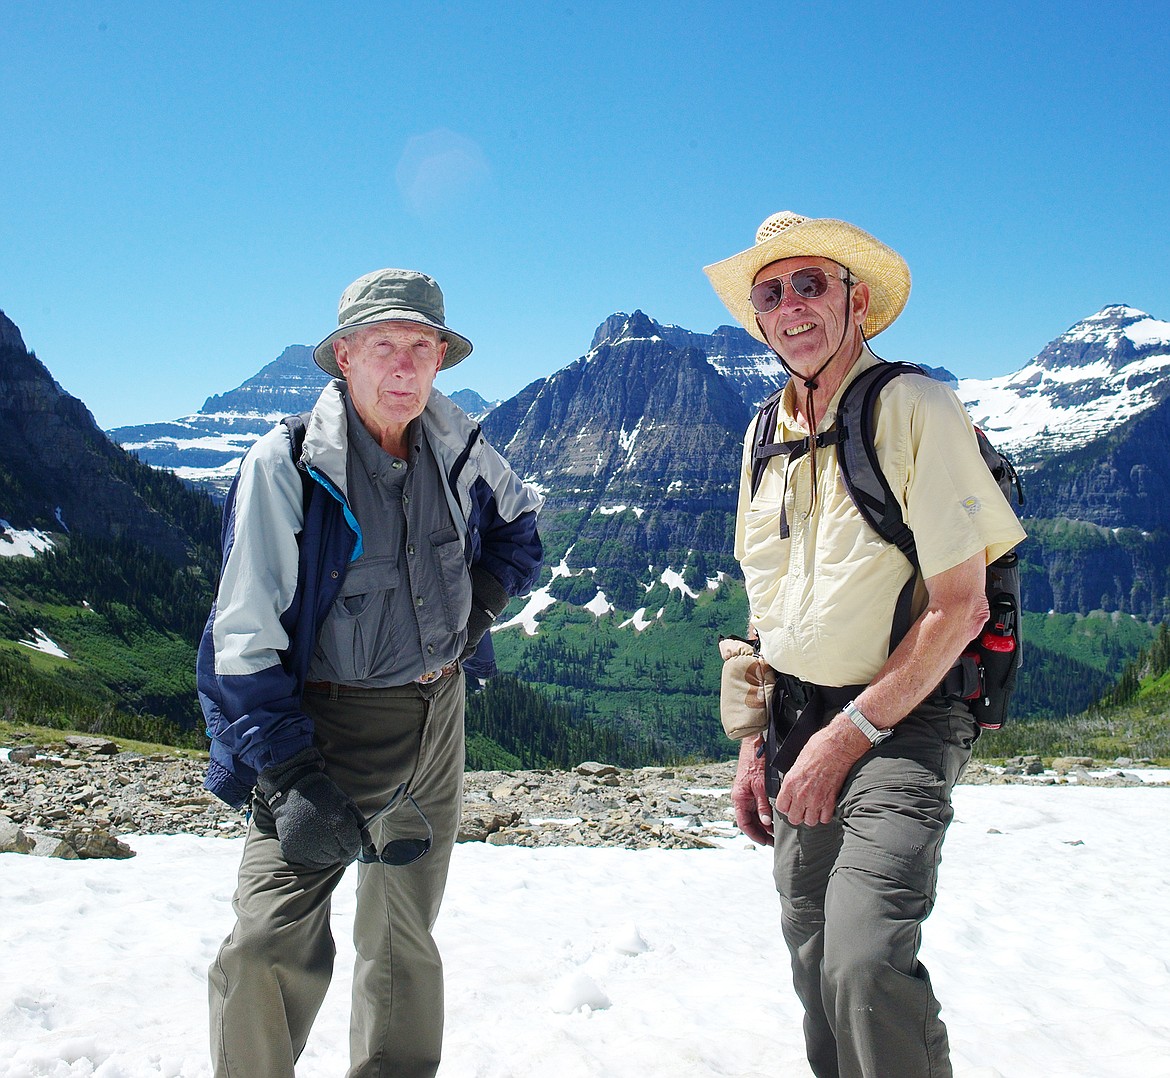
[(853, 896), (272, 972)]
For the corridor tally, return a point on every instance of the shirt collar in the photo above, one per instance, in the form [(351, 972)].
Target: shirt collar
[(369, 452)]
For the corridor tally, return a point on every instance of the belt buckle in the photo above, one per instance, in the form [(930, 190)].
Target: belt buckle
[(429, 677)]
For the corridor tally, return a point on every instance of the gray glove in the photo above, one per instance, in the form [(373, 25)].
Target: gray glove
[(317, 824), (488, 600)]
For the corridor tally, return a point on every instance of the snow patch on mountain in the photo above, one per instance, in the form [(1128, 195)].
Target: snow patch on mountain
[(639, 620), (674, 580), (542, 599), (15, 543), (529, 617), (1149, 333), (1103, 371), (614, 510), (599, 605), (41, 642)]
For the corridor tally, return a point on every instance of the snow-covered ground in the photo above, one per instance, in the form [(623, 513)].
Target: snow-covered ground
[(1049, 947)]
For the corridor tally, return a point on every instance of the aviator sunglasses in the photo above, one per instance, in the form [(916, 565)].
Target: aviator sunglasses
[(398, 851), (811, 282)]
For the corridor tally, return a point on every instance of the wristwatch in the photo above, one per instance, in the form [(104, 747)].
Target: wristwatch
[(853, 713)]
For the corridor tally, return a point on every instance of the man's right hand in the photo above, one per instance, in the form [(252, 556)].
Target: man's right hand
[(749, 795), (317, 824)]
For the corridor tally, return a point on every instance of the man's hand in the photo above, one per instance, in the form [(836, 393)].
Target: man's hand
[(955, 612), (809, 792), (749, 795), (317, 824)]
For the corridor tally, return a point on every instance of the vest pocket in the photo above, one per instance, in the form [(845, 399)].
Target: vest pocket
[(454, 578), (358, 629)]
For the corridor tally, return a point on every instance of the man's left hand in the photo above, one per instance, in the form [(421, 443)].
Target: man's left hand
[(809, 792)]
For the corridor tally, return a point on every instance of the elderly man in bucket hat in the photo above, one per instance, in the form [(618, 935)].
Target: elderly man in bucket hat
[(369, 545), (862, 805)]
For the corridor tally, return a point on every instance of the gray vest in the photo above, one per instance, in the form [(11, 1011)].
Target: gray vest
[(403, 606)]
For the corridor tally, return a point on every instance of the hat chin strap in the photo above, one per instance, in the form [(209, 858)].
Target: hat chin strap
[(811, 385)]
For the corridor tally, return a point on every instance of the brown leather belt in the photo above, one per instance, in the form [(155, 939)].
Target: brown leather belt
[(433, 675), (428, 678)]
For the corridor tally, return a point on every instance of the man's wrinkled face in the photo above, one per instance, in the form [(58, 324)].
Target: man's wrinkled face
[(807, 331), (390, 369)]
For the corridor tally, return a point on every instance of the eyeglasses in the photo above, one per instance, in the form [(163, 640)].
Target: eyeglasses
[(398, 851), (810, 282)]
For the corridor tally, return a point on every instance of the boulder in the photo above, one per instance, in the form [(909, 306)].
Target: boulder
[(98, 746), (13, 839)]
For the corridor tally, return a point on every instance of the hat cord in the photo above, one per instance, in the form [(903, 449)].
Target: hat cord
[(810, 386)]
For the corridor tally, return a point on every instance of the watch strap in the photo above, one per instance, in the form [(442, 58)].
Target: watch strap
[(856, 716)]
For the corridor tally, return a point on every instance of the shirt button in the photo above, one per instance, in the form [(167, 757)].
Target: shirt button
[(419, 601), (430, 649), (396, 465), (405, 499), (410, 548)]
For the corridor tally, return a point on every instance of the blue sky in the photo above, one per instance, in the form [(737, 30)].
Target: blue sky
[(186, 188)]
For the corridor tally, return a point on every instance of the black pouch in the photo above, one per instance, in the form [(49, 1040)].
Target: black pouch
[(796, 716), (799, 710)]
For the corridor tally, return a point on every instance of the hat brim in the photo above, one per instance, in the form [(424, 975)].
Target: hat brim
[(881, 268), (458, 346)]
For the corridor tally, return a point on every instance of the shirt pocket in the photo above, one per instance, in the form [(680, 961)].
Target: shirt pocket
[(359, 629), (762, 542), (454, 577)]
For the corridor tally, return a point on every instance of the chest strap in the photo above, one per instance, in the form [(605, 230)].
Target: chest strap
[(764, 450)]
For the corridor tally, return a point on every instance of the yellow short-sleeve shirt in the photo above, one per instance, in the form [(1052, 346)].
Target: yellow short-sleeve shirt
[(822, 599)]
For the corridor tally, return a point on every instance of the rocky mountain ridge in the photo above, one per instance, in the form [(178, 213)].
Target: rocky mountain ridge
[(1098, 374), (205, 448), (60, 473), (636, 444)]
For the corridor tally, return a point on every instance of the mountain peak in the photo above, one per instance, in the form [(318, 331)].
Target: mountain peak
[(1101, 372), (620, 327), (62, 472), (1118, 333), (10, 334)]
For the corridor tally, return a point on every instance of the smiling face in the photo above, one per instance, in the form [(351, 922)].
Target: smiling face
[(806, 332), (390, 369)]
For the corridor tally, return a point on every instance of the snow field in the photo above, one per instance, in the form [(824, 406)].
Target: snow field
[(1048, 947)]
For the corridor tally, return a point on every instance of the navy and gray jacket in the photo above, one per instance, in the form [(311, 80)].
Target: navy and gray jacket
[(285, 554)]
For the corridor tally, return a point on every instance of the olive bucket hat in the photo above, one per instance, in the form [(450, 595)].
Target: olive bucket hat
[(786, 235), (391, 295)]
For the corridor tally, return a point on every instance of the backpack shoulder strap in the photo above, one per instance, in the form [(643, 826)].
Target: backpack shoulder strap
[(765, 447), (297, 425), (762, 441), (866, 482), (861, 470)]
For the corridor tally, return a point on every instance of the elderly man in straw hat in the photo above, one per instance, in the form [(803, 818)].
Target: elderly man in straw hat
[(861, 809), (368, 548)]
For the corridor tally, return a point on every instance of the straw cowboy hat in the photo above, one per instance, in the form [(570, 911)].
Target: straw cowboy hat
[(786, 235), (391, 295)]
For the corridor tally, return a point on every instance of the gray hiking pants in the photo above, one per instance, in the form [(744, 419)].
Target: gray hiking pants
[(853, 896), (272, 972)]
